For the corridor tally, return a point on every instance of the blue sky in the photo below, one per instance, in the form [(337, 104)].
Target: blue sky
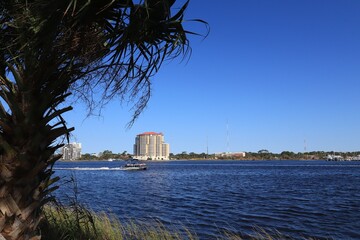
[(270, 75)]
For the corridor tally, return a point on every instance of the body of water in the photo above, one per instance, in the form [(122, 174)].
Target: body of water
[(298, 198)]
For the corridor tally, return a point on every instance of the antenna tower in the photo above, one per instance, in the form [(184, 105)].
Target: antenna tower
[(227, 137), (207, 146)]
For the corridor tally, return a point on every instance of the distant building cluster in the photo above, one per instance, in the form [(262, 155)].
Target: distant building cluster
[(151, 146), (71, 151), (230, 154)]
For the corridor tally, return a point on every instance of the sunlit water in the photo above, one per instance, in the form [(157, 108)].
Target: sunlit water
[(298, 198)]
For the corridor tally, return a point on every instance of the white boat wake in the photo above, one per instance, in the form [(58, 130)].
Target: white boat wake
[(91, 169)]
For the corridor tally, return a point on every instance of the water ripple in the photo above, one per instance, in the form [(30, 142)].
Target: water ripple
[(300, 199)]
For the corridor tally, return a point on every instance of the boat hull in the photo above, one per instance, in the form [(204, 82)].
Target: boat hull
[(134, 167)]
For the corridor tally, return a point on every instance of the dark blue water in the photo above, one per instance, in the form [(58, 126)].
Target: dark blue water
[(298, 198)]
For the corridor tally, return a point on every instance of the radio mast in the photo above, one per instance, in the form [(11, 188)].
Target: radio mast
[(227, 136)]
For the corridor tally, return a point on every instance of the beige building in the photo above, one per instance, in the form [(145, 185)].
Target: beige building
[(71, 151), (151, 146), (230, 154)]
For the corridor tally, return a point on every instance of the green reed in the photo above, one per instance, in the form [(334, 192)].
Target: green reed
[(76, 222)]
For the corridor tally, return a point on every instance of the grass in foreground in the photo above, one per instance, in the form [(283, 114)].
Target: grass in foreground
[(78, 223), (68, 223)]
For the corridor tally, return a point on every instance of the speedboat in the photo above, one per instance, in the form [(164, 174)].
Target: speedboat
[(135, 166)]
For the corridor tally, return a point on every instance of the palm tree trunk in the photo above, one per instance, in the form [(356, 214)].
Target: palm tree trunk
[(19, 217), (21, 192), (27, 142)]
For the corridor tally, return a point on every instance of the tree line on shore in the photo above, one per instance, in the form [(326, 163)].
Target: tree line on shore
[(266, 155), (260, 155), (106, 155)]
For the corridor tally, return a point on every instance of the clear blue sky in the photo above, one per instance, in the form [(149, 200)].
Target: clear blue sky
[(275, 72)]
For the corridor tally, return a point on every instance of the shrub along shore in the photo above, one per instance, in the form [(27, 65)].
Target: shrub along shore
[(260, 155)]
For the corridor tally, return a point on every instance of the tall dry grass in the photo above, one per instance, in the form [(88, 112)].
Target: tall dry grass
[(78, 223), (69, 223)]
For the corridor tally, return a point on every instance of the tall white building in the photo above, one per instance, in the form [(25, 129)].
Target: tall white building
[(71, 151), (151, 146)]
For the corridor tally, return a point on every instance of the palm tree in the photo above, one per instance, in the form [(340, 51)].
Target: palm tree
[(50, 49)]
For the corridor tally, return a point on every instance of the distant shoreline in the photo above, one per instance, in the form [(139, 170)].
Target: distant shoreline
[(195, 159)]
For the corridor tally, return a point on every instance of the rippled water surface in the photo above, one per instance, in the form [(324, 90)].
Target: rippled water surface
[(298, 198)]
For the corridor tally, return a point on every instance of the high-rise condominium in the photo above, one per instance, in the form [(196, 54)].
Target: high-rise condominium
[(151, 146), (71, 151)]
